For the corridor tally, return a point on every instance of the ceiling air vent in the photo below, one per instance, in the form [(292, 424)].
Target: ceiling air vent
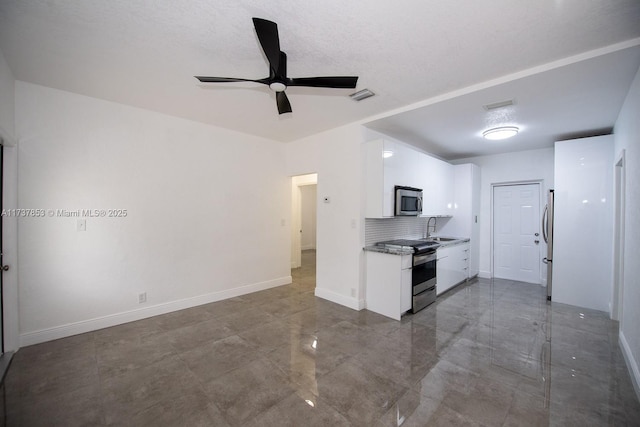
[(501, 104), (362, 94)]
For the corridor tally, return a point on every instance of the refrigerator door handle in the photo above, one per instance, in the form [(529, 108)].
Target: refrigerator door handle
[(544, 223)]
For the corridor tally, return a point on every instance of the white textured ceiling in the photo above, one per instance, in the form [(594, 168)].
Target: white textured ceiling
[(145, 53), (570, 99)]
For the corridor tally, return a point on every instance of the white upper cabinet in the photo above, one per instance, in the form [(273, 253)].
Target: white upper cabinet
[(438, 184), (388, 164)]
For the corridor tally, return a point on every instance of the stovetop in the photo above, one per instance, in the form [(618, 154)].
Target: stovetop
[(417, 245)]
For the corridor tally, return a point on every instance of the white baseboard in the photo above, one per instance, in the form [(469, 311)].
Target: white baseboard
[(43, 335), (632, 364), (485, 274), (332, 296)]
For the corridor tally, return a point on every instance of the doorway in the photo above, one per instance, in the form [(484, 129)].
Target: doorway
[(9, 239), (309, 206), (516, 232), (618, 238), (304, 222)]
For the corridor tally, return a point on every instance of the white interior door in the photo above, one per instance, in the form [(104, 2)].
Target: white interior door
[(516, 232)]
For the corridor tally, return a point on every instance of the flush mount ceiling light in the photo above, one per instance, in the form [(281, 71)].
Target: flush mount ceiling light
[(502, 132), (386, 154)]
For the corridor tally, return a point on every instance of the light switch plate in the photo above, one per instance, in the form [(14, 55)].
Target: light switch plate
[(82, 224)]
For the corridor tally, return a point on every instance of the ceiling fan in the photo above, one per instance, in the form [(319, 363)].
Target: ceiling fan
[(278, 81)]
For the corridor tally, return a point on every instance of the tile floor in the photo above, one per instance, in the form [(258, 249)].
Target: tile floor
[(489, 353)]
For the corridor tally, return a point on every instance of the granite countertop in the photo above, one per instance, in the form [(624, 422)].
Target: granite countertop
[(450, 241), (408, 250)]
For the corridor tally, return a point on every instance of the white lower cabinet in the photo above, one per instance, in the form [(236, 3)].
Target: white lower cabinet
[(388, 284), (405, 289), (452, 266)]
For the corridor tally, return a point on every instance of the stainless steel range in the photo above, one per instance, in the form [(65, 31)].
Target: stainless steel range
[(423, 273)]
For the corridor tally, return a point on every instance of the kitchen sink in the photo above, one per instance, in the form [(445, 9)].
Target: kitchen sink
[(443, 239)]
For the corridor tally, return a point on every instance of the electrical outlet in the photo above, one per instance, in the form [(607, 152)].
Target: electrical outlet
[(353, 292), (142, 298)]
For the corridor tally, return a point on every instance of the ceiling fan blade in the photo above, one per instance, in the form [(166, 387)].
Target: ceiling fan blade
[(338, 82), (281, 72), (267, 32), (204, 79), (283, 103)]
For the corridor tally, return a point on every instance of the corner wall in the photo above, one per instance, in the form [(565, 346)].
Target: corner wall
[(627, 137), (336, 157), (196, 197)]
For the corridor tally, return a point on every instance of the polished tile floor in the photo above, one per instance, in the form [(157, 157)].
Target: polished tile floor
[(489, 353)]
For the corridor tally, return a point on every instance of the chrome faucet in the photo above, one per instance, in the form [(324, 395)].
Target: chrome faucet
[(429, 222)]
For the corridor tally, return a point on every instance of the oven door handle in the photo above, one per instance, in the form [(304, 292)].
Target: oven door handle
[(423, 259)]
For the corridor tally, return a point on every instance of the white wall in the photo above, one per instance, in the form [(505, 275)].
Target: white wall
[(196, 198), (627, 137), (583, 220), (335, 156), (510, 167), (10, 201)]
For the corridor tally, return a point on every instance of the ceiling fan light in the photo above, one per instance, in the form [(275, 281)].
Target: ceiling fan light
[(277, 87), (499, 133)]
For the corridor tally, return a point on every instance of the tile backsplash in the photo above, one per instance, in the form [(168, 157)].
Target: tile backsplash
[(408, 227), (377, 230)]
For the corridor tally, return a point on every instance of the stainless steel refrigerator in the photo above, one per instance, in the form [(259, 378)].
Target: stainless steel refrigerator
[(547, 234)]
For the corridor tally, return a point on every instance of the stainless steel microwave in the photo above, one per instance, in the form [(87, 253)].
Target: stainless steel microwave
[(408, 201)]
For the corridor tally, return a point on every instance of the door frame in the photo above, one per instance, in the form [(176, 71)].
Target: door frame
[(618, 236), (10, 333), (542, 192)]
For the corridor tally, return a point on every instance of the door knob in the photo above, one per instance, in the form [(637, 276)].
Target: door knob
[(5, 268), (537, 234)]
